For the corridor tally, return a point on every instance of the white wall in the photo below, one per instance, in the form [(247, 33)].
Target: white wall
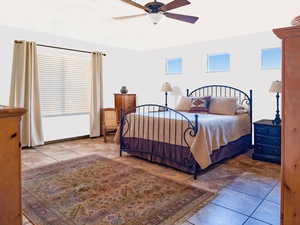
[(144, 72), (118, 66), (245, 72)]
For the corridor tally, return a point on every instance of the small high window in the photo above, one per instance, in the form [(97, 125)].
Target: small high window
[(218, 63), (271, 58), (174, 66)]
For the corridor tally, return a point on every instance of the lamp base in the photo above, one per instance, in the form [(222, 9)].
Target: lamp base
[(277, 120), (166, 99)]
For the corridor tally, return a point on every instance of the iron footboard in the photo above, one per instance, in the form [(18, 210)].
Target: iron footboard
[(159, 134)]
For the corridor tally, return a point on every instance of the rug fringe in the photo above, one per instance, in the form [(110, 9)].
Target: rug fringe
[(27, 219)]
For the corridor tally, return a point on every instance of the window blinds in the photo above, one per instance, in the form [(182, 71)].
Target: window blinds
[(64, 84)]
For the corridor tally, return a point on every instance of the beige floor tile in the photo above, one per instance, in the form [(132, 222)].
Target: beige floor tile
[(24, 167), (187, 223), (26, 221), (62, 155), (274, 196), (252, 184), (217, 178), (84, 150), (34, 159), (216, 215), (252, 221), (236, 201), (268, 212)]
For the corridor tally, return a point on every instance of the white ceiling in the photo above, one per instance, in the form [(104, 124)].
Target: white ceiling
[(91, 20)]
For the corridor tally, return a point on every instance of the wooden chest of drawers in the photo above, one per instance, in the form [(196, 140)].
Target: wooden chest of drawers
[(267, 141), (10, 166), (125, 102)]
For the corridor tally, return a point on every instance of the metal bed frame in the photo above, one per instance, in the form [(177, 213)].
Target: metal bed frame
[(178, 155)]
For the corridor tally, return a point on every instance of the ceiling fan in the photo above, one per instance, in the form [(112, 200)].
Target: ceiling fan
[(156, 10)]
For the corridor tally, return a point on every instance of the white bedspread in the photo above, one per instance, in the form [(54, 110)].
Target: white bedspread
[(216, 131)]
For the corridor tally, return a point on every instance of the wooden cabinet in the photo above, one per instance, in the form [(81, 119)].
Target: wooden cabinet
[(267, 141), (125, 102), (290, 207), (10, 166)]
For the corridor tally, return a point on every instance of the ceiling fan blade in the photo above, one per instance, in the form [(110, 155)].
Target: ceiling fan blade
[(129, 17), (136, 5), (174, 4), (184, 18)]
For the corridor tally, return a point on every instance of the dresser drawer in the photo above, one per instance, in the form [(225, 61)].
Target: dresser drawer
[(269, 140), (268, 131), (267, 149)]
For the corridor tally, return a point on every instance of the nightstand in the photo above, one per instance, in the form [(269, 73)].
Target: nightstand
[(267, 141)]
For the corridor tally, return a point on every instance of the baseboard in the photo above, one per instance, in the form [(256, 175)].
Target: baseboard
[(62, 140), (67, 139)]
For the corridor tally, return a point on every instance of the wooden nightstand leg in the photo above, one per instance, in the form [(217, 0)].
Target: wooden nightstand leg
[(105, 139)]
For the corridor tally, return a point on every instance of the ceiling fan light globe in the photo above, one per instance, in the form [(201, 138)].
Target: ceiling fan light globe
[(155, 17)]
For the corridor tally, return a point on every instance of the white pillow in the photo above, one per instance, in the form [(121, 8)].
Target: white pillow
[(223, 106), (184, 104), (242, 109)]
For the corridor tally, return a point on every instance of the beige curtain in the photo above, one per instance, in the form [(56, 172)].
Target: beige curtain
[(96, 103), (25, 92)]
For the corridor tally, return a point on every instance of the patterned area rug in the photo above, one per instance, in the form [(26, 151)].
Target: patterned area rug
[(99, 191)]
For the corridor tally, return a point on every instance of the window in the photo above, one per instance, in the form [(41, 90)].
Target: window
[(271, 58), (218, 63), (174, 66), (64, 84)]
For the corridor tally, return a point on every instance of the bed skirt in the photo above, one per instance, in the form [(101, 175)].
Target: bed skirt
[(180, 157)]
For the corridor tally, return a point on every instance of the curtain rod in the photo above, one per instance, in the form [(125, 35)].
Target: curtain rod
[(61, 48)]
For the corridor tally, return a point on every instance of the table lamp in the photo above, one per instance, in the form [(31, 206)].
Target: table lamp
[(276, 87), (166, 88)]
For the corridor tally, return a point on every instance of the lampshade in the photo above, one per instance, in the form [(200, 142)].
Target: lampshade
[(296, 21), (276, 87), (155, 17), (166, 87)]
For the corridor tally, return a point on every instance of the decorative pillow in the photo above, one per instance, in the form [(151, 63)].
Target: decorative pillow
[(241, 109), (199, 104), (184, 104), (223, 106)]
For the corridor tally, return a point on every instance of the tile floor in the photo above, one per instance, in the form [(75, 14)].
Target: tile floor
[(248, 191)]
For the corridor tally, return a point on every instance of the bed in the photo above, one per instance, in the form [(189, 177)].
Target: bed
[(190, 142)]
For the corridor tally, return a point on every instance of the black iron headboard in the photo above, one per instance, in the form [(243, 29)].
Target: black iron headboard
[(225, 91)]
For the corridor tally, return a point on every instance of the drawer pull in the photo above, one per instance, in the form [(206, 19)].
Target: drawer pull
[(13, 135)]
